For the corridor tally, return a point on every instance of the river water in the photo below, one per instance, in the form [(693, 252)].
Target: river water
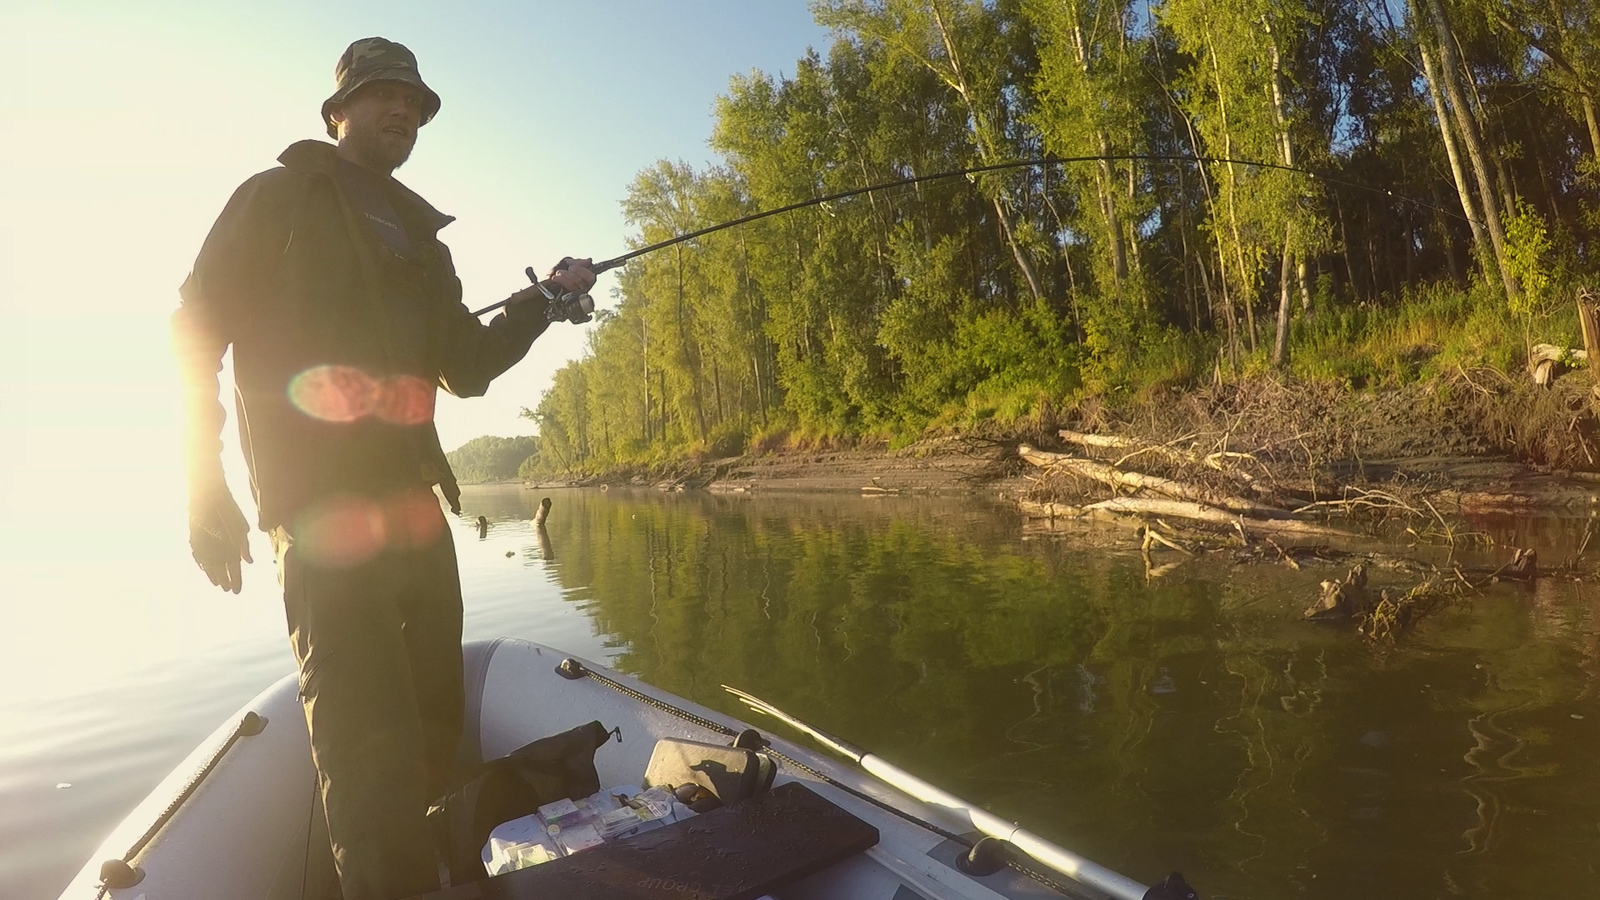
[(1190, 722)]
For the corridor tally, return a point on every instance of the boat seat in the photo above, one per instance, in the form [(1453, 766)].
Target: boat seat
[(738, 852)]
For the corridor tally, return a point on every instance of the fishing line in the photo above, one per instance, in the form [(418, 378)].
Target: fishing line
[(1036, 162)]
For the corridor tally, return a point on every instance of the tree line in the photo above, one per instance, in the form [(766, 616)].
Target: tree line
[(1409, 142), (489, 458)]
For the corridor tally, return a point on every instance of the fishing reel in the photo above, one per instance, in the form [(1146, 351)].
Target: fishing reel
[(566, 307)]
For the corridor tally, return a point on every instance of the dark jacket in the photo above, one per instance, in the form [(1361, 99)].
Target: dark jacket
[(300, 285)]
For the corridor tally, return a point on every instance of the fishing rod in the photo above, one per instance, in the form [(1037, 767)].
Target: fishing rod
[(572, 306), (1081, 870)]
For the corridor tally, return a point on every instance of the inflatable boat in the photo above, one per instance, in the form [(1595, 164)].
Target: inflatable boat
[(235, 820)]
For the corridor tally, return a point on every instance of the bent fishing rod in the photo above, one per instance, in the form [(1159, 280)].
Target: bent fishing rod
[(1063, 861), (576, 306)]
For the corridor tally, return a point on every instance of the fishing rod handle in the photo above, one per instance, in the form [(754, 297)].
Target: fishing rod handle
[(597, 268), (567, 306)]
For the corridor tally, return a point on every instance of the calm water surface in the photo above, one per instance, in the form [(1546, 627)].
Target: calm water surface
[(1193, 722)]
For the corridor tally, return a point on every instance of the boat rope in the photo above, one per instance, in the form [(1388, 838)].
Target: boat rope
[(121, 873), (572, 669)]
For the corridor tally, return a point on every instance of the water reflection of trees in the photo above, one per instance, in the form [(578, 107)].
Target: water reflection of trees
[(1195, 722)]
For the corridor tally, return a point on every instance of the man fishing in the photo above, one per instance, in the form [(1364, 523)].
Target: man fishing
[(344, 312)]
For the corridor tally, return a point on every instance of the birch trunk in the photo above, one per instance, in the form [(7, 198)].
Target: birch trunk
[(1104, 182), (986, 151), (1280, 117), (1470, 136)]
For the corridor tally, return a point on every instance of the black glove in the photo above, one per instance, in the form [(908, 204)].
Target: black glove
[(219, 536)]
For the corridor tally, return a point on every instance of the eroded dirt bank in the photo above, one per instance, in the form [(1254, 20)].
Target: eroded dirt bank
[(1393, 493), (1475, 441)]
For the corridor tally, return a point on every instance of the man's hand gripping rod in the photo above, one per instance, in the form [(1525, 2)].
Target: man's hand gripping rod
[(567, 307)]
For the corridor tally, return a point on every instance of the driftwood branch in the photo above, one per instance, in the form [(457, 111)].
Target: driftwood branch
[(1103, 441), (1116, 477), (1034, 510), (1152, 537), (1180, 509), (1112, 442), (1382, 615)]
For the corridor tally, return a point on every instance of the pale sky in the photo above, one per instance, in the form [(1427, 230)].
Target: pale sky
[(124, 126)]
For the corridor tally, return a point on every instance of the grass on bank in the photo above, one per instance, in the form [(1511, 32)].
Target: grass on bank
[(1433, 330)]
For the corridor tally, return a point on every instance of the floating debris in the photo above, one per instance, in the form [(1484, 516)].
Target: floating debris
[(1164, 684)]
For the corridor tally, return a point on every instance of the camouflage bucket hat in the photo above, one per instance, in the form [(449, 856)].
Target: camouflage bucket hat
[(375, 59)]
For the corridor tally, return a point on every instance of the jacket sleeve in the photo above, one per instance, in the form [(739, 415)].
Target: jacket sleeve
[(471, 353), (237, 261)]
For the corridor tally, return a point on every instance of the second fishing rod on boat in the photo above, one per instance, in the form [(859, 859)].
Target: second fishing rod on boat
[(578, 308)]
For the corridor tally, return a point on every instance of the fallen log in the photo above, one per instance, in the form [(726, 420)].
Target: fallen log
[(1180, 509), (1112, 442), (1116, 477), (1054, 511)]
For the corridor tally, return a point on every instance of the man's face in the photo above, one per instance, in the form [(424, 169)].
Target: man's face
[(378, 123)]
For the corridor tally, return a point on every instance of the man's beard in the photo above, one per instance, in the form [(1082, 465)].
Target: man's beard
[(371, 148)]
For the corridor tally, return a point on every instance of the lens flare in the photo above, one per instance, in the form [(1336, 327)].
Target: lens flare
[(334, 393), (347, 394), (341, 532), (406, 400), (413, 519), (348, 530)]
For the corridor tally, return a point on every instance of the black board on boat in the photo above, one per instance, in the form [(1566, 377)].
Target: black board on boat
[(738, 852)]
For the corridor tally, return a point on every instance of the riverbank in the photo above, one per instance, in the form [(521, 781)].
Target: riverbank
[(942, 465), (1474, 441)]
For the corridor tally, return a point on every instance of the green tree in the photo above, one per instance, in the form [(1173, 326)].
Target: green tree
[(1236, 92), (488, 458), (1088, 82)]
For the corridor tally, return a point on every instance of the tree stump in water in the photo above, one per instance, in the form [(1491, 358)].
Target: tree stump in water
[(1344, 598), (1524, 565), (545, 549)]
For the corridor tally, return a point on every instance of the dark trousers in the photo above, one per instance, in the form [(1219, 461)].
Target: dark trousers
[(379, 649)]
